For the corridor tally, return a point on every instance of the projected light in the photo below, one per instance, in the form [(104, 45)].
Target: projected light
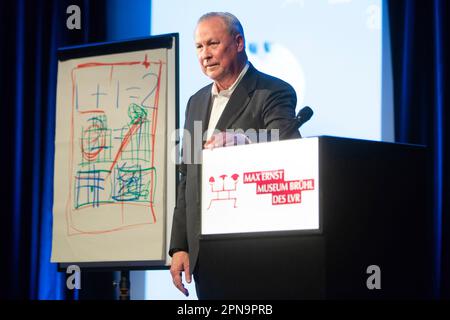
[(266, 57), (328, 50)]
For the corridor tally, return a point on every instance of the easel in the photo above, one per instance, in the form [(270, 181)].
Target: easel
[(124, 285)]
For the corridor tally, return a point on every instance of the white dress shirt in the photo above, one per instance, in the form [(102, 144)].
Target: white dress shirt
[(220, 100)]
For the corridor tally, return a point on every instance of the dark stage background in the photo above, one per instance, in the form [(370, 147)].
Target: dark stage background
[(30, 33)]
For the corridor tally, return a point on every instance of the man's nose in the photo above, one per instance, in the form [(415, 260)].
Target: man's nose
[(205, 54)]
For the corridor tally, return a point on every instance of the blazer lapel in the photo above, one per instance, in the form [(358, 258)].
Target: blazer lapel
[(238, 100), (204, 110)]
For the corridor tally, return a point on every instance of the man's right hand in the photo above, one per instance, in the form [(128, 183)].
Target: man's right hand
[(180, 263), (226, 139)]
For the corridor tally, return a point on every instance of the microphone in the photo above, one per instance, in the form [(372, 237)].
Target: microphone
[(291, 130), (303, 116)]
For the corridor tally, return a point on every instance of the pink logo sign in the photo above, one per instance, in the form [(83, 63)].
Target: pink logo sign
[(224, 189), (272, 182)]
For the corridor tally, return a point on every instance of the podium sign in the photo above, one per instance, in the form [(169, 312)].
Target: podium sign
[(261, 187), (364, 212)]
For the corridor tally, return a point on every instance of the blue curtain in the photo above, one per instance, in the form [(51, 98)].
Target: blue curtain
[(30, 33), (420, 36)]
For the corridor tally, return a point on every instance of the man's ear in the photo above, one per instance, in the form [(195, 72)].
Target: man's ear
[(240, 42)]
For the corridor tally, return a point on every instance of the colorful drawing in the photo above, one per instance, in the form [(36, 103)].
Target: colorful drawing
[(113, 174)]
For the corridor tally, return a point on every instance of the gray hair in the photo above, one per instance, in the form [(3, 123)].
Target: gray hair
[(232, 23)]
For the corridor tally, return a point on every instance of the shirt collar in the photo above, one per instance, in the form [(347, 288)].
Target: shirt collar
[(229, 91)]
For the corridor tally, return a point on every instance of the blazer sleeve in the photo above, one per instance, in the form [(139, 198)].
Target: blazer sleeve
[(279, 111), (178, 237)]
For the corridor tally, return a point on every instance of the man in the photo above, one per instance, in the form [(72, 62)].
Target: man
[(240, 98)]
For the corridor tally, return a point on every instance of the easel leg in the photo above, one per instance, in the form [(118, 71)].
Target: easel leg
[(124, 285)]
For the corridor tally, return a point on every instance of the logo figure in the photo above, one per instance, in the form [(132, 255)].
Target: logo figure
[(374, 281), (74, 280), (226, 189), (74, 20)]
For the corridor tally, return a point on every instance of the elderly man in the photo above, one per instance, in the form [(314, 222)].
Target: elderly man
[(240, 98)]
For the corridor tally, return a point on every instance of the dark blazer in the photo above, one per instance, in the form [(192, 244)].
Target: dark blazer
[(259, 102)]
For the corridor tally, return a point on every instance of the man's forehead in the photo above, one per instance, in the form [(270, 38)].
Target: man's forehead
[(210, 25)]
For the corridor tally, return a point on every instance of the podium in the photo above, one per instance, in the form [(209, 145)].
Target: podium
[(373, 212)]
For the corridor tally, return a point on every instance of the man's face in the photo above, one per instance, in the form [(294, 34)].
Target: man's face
[(217, 50)]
